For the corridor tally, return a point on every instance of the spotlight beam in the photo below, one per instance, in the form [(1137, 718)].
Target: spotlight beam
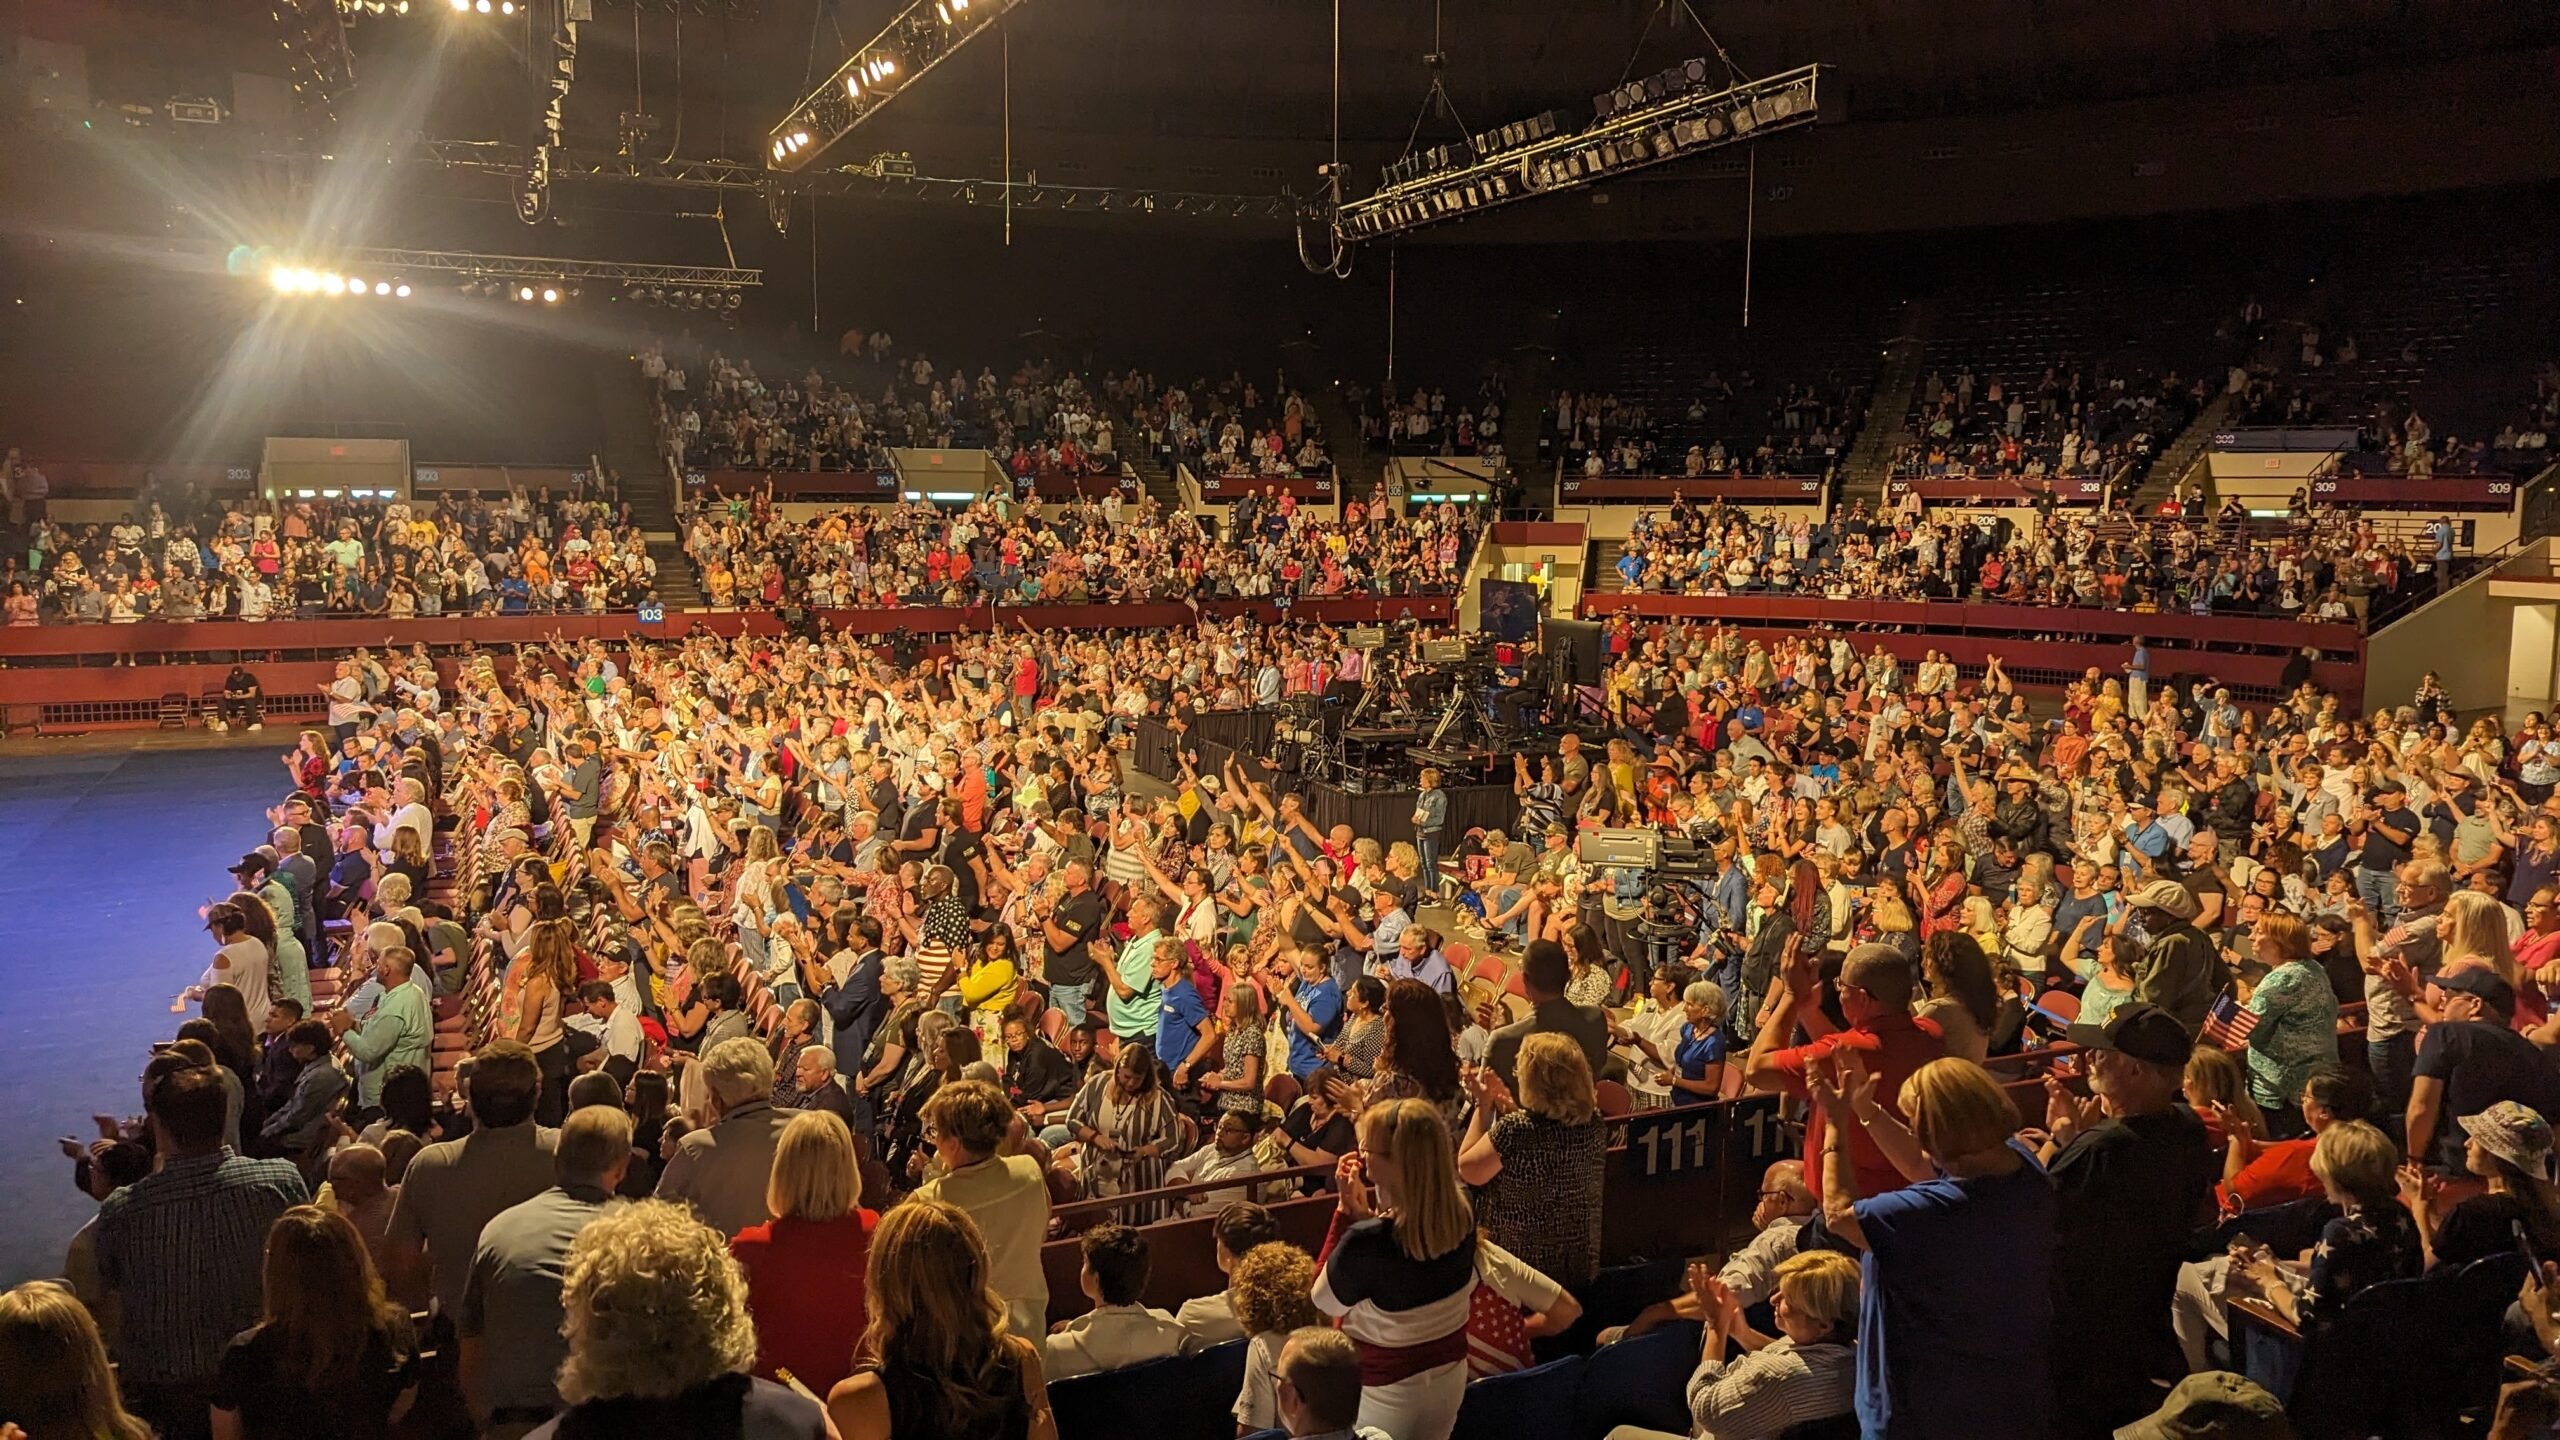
[(915, 40)]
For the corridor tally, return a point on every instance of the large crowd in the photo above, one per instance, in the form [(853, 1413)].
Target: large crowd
[(2075, 420), (706, 1038), (998, 551), (1809, 425), (182, 554), (2325, 565)]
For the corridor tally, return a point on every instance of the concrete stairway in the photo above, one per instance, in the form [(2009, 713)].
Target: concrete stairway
[(639, 471), (1887, 427), (2185, 452)]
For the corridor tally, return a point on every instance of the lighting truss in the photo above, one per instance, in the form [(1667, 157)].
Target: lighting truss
[(539, 270), (1645, 123), (880, 178), (915, 40)]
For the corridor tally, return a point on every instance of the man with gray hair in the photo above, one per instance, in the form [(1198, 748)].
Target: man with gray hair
[(721, 1170), (510, 1318), (815, 1086)]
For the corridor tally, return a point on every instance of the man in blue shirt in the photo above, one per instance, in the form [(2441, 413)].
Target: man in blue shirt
[(1417, 957), (1312, 1006), (1180, 1012)]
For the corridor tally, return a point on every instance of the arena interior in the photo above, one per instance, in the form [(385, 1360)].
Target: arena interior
[(1033, 720)]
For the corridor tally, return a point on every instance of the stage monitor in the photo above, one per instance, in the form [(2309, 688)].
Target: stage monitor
[(1577, 643), (1507, 609)]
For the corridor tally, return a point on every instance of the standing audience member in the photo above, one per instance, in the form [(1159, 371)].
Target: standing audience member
[(183, 1250), (510, 1318), (1544, 972), (455, 1187), (1005, 1196), (2133, 1170), (805, 1266), (660, 1342), (1537, 1162), (723, 1169), (332, 1357), (54, 1375), (1402, 1278), (938, 1361), (1955, 1300)]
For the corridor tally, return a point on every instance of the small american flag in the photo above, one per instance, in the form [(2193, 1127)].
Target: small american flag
[(2228, 1023)]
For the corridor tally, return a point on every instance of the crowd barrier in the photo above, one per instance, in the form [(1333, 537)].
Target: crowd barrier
[(66, 677), (1977, 490), (2493, 493), (2038, 645), (1224, 488)]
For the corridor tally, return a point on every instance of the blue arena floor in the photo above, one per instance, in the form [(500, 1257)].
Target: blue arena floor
[(104, 857)]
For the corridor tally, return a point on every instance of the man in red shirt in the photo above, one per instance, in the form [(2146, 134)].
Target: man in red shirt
[(1875, 998)]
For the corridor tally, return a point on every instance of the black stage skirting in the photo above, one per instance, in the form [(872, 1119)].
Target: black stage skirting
[(1384, 815)]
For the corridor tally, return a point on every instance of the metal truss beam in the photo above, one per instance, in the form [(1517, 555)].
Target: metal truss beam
[(916, 39), (544, 268), (881, 178)]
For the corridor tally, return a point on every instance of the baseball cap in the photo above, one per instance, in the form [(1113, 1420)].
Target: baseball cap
[(2214, 1405), (2143, 1031), (2514, 1133), (2166, 895), (262, 859), (2478, 980)]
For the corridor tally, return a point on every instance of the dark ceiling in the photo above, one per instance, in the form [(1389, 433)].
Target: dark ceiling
[(1264, 68)]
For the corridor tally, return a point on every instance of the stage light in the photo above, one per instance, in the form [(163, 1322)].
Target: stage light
[(332, 285), (506, 7), (550, 296), (525, 293), (381, 287), (282, 279), (356, 286), (462, 5), (402, 292)]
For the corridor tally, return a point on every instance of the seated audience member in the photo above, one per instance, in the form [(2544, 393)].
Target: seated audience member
[(2370, 1240), (304, 1119), (2259, 1173), (331, 1356), (1039, 1079), (1807, 1372), (1749, 1274), (1536, 1163), (1006, 1197), (1320, 1387), (2508, 1148), (509, 1324), (938, 1358), (722, 1170), (1318, 1131), (805, 1266), (1213, 1319), (1402, 1279), (1229, 1155), (54, 1375), (1118, 1331), (1269, 1292), (816, 1086), (660, 1342), (183, 1251), (454, 1187), (1955, 1301)]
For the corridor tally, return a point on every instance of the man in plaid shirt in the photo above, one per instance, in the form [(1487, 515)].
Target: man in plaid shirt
[(183, 1250)]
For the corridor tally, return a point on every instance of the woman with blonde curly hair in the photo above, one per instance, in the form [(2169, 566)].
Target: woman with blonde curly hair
[(937, 1362), (54, 1376), (660, 1342), (1270, 1286)]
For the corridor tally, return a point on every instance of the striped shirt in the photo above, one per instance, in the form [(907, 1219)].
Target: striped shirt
[(184, 1249), (1761, 1394)]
